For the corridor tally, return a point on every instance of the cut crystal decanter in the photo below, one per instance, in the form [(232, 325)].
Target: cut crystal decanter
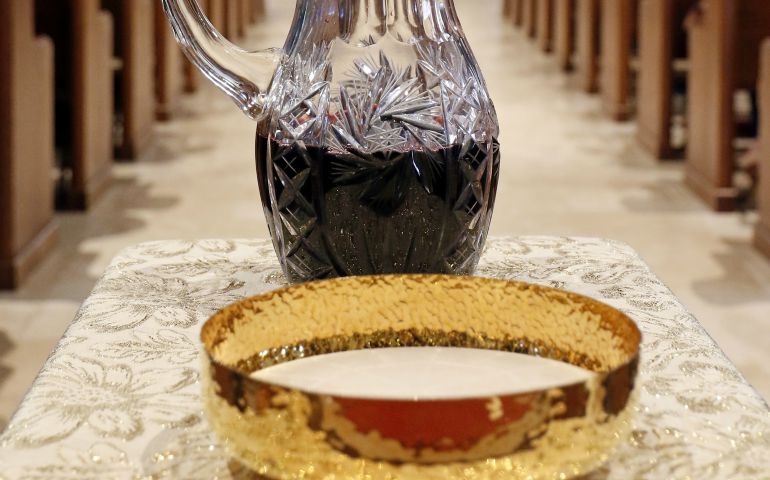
[(376, 138)]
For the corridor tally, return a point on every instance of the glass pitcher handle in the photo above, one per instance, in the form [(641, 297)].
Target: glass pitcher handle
[(243, 75)]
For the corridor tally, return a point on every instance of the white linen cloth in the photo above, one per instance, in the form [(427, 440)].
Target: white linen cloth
[(118, 397)]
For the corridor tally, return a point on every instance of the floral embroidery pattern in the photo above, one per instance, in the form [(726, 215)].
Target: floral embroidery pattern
[(127, 301), (143, 347), (101, 461), (112, 401)]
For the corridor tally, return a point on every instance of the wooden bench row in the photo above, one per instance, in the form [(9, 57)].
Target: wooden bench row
[(762, 231), (644, 57), (27, 229), (81, 83)]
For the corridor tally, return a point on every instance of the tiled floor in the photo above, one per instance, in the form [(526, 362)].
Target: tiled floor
[(566, 170)]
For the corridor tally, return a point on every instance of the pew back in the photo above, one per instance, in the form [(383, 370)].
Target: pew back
[(662, 39), (723, 57), (618, 34), (545, 11), (169, 67), (564, 32), (762, 232), (587, 18), (529, 17), (135, 79), (83, 46), (27, 229)]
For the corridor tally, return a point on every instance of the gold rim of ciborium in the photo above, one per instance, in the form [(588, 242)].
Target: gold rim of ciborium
[(283, 432)]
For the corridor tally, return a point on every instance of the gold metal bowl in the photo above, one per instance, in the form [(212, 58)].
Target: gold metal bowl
[(287, 433)]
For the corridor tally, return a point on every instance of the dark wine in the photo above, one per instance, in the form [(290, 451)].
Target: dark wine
[(336, 213)]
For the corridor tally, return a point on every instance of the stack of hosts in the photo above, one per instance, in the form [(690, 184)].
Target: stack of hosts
[(117, 70), (694, 74)]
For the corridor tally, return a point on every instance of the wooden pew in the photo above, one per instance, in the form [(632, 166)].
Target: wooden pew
[(233, 28), (257, 10), (217, 13), (242, 16), (662, 40), (27, 229), (564, 32), (517, 10), (246, 8), (169, 68), (192, 77), (545, 19), (215, 10), (618, 32), (587, 45), (724, 39), (135, 79), (250, 13), (529, 17), (82, 36), (762, 231)]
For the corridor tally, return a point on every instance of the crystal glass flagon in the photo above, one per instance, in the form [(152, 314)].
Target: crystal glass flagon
[(376, 138)]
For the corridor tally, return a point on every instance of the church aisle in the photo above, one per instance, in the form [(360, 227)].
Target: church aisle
[(566, 170)]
